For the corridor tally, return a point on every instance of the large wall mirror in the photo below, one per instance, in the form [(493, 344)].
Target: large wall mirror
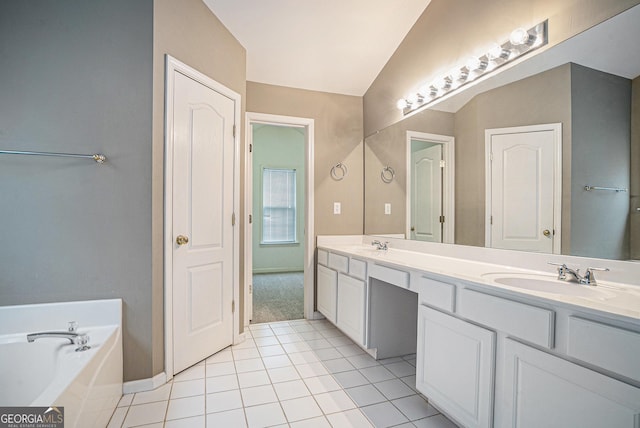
[(546, 155)]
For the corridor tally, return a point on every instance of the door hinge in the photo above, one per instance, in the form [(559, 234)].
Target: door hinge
[(233, 219), (443, 163), (441, 219), (491, 156), (250, 218), (250, 288), (234, 130), (250, 148), (491, 220), (233, 306)]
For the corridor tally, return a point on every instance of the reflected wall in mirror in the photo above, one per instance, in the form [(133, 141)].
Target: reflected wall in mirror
[(590, 86)]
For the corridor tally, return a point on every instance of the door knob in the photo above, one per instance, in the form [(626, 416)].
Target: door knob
[(182, 240), (546, 232), (413, 229)]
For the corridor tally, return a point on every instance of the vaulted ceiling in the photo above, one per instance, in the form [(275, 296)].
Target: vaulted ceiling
[(330, 45)]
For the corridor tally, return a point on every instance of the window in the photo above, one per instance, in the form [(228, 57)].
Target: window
[(278, 206)]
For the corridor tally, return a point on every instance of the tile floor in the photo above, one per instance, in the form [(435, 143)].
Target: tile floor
[(286, 374)]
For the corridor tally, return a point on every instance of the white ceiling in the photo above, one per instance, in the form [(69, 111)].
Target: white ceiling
[(335, 46)]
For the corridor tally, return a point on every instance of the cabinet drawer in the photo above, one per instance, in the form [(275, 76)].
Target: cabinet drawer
[(530, 323), (606, 346), (338, 262), (390, 275), (323, 257), (357, 268), (436, 293)]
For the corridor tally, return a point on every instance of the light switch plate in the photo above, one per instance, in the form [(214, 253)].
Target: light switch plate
[(337, 207), (387, 208)]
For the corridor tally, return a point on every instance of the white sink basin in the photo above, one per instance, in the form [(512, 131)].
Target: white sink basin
[(367, 251), (550, 284)]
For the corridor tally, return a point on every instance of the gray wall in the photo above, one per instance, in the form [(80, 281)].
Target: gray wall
[(601, 134), (388, 148), (76, 77), (88, 77), (338, 138)]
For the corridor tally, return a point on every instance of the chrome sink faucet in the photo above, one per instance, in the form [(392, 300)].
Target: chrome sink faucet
[(75, 338), (587, 279), (380, 245)]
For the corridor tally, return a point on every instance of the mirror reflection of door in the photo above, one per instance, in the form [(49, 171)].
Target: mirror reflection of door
[(430, 202), (523, 188), (426, 191)]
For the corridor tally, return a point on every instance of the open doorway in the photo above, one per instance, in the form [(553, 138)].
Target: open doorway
[(278, 229), (278, 247)]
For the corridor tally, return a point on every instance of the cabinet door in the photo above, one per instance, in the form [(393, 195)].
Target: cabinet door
[(327, 287), (351, 304), (455, 361), (543, 390)]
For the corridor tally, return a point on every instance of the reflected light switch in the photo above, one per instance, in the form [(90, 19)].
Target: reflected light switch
[(387, 209), (336, 207)]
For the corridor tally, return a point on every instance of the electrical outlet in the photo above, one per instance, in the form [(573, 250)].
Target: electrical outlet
[(387, 209), (337, 207)]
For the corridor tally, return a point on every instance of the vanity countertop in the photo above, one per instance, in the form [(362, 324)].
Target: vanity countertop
[(609, 298)]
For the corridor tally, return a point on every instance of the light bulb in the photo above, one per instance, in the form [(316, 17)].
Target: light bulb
[(413, 99), (520, 36), (428, 90), (402, 104), (497, 52), (460, 75), (444, 83), (475, 63)]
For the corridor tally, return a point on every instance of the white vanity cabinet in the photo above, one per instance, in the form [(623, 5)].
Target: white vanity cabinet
[(455, 366), (488, 355), (351, 307), (542, 390), (341, 293), (327, 292), (542, 381)]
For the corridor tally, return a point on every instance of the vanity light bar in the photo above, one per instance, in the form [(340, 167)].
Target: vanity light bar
[(520, 43)]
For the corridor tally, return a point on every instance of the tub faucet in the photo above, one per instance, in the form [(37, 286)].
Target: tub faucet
[(380, 245), (75, 338)]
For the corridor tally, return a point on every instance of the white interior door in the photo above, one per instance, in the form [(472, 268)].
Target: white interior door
[(203, 175), (523, 188), (426, 197)]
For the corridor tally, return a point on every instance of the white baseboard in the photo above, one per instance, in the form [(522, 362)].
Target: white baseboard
[(296, 269), (142, 385)]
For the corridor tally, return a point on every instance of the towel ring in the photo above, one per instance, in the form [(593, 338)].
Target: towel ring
[(387, 174), (338, 171)]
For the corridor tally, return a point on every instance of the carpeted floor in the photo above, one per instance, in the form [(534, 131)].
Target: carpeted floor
[(278, 297)]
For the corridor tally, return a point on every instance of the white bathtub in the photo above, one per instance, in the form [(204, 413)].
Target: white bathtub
[(49, 372)]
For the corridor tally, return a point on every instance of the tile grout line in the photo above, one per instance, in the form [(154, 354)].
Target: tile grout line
[(282, 332)]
